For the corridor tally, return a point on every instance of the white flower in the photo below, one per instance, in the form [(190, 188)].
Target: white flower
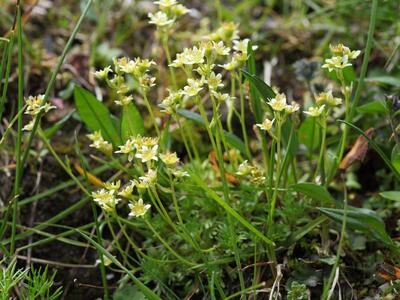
[(127, 148), (166, 3), (113, 186), (149, 178), (214, 81), (232, 65), (179, 173), (341, 49), (105, 199), (244, 169), (266, 124), (147, 153), (220, 48), (336, 63), (193, 56), (29, 126), (327, 98), (242, 45), (138, 209), (291, 108), (127, 191), (160, 19), (315, 111), (124, 100), (99, 143), (223, 97), (193, 88), (36, 104), (103, 74), (278, 103), (169, 159)]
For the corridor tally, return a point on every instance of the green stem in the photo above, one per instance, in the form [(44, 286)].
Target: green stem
[(340, 246), (243, 115), (150, 110), (321, 158), (169, 60), (19, 166), (53, 79)]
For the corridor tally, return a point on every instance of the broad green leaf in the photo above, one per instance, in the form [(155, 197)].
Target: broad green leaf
[(211, 193), (314, 191), (254, 95), (290, 137), (95, 115), (231, 139), (165, 141), (361, 219), (309, 133), (372, 108), (264, 89), (391, 195), (131, 122)]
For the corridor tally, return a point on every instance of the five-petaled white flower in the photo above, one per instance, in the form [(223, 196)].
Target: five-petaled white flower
[(147, 153), (138, 209), (278, 103)]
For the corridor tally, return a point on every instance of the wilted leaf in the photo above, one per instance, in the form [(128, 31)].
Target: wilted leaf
[(358, 151)]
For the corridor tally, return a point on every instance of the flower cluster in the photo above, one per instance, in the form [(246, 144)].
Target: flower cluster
[(138, 68), (169, 11), (107, 198), (251, 171), (341, 58), (99, 143), (35, 105)]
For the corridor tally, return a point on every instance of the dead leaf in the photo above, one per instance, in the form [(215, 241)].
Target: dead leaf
[(358, 151), (92, 178), (213, 160)]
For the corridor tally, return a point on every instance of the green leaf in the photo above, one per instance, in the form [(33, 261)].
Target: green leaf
[(309, 133), (131, 123), (254, 95), (298, 234), (391, 195), (348, 73), (314, 191), (211, 193), (395, 157), (372, 108), (231, 139), (362, 219), (386, 80), (264, 89), (128, 292), (95, 115)]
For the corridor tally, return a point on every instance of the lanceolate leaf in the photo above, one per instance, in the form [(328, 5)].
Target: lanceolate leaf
[(254, 95), (361, 219), (231, 139), (391, 195), (264, 89), (131, 123), (95, 115), (314, 191)]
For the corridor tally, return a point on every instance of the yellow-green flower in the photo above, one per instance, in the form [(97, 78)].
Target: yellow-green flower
[(315, 111), (328, 98), (138, 209), (278, 103), (169, 159), (266, 124)]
